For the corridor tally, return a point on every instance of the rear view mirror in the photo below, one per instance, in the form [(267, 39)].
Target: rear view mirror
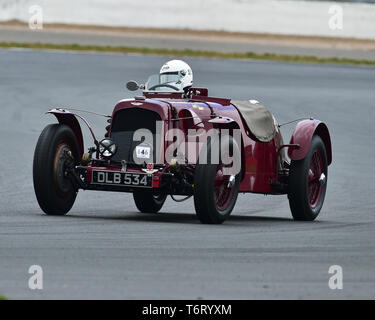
[(132, 85)]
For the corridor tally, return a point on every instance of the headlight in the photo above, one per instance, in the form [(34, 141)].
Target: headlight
[(107, 148)]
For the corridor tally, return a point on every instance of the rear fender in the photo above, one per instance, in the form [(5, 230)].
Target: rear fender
[(302, 136), (70, 119)]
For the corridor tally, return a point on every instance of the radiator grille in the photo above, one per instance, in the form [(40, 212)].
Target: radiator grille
[(125, 123)]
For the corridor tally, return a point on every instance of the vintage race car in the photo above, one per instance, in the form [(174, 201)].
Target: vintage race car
[(183, 144)]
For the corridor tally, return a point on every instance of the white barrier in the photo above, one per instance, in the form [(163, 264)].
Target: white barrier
[(260, 16)]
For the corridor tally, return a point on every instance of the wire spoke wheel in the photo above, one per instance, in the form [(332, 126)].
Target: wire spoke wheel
[(308, 182), (314, 185), (216, 191), (223, 189)]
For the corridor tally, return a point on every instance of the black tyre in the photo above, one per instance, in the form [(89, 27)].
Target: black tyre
[(147, 202), (308, 182), (215, 193), (56, 150)]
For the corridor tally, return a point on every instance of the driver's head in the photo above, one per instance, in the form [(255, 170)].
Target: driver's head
[(177, 73)]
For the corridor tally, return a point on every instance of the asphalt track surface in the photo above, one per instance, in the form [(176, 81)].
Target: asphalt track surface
[(104, 249)]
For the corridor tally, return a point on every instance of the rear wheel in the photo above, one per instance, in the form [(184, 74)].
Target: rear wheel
[(308, 182), (147, 202), (215, 191), (56, 152)]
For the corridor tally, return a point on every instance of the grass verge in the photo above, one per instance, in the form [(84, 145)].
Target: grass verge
[(3, 298), (185, 52)]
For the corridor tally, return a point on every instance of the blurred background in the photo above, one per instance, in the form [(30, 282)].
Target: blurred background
[(343, 29)]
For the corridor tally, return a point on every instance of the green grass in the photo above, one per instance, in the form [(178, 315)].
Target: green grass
[(186, 52), (3, 298)]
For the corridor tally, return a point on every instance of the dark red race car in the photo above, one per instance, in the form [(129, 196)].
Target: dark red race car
[(181, 142)]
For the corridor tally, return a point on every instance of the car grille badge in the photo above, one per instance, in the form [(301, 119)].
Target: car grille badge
[(150, 168)]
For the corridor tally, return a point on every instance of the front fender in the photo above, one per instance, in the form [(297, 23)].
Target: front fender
[(69, 119), (302, 136)]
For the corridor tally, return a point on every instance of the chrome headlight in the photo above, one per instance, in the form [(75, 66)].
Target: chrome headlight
[(107, 148)]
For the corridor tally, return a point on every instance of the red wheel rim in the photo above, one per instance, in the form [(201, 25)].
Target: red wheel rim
[(315, 171), (223, 193)]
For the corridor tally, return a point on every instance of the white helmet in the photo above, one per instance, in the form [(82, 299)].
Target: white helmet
[(177, 73)]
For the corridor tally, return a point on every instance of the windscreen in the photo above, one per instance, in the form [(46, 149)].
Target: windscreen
[(156, 81), (169, 77)]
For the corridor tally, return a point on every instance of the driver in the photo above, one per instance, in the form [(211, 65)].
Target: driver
[(178, 74)]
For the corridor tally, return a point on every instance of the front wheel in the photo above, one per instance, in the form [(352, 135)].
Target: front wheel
[(215, 190), (56, 152), (308, 182), (147, 202)]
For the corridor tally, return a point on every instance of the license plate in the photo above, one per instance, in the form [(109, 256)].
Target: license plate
[(115, 178)]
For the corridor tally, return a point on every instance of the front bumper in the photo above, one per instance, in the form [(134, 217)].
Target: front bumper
[(162, 179), (83, 177)]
